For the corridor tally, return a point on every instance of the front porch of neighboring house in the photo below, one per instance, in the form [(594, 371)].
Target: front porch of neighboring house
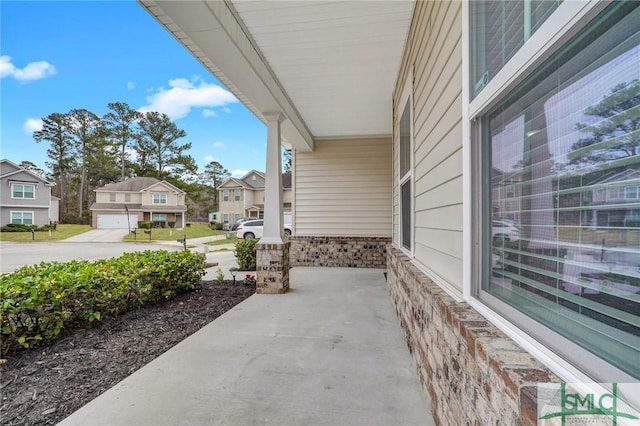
[(372, 98), (164, 219)]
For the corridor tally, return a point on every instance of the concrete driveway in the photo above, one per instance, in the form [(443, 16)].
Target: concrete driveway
[(99, 236)]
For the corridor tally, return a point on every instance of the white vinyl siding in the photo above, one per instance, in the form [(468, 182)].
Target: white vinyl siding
[(434, 58), (344, 188)]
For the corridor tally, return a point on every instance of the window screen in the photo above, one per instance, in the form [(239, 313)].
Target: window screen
[(564, 149)]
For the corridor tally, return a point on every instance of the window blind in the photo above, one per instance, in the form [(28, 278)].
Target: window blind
[(564, 190)]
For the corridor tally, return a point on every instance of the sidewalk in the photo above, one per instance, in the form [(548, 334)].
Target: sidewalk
[(328, 352)]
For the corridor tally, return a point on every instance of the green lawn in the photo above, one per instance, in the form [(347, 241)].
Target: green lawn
[(62, 232), (166, 234), (231, 240)]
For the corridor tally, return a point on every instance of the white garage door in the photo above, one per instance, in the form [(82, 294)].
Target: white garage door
[(116, 221)]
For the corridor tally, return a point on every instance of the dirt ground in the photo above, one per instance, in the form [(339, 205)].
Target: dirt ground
[(44, 385)]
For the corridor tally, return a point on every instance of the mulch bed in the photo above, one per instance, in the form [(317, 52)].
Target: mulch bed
[(44, 385)]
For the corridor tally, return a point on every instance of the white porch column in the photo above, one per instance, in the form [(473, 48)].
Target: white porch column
[(273, 222)]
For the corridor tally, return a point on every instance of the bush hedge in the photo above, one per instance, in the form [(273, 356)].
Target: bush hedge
[(18, 227), (245, 253), (40, 302)]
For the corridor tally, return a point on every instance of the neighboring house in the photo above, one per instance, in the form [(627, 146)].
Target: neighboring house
[(25, 197), (244, 197), (616, 201), (397, 113), (122, 204)]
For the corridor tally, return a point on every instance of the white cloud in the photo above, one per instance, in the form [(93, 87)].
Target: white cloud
[(209, 158), (219, 145), (132, 154), (183, 95), (32, 71), (32, 125), (237, 173), (131, 85), (206, 113), (227, 110)]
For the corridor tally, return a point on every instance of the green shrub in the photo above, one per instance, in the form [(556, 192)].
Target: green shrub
[(145, 224), (18, 227), (216, 226), (245, 253), (39, 302)]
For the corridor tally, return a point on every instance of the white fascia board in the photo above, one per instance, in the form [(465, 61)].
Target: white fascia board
[(215, 34)]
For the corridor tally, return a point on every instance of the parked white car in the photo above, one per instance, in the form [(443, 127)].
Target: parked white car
[(254, 229), (503, 231)]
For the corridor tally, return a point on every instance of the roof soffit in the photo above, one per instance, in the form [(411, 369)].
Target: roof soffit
[(330, 67), (210, 30)]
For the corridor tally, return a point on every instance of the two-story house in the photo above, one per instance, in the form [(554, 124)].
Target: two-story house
[(25, 197), (123, 204), (616, 200), (244, 197)]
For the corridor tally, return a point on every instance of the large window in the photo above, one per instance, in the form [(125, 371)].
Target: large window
[(499, 29), (23, 218), (20, 190), (159, 198), (405, 176), (236, 195), (561, 216)]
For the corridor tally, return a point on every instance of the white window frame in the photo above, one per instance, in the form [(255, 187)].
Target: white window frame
[(23, 185), (407, 96), (162, 216), (237, 195), (22, 213), (568, 19), (225, 195), (157, 197), (627, 194)]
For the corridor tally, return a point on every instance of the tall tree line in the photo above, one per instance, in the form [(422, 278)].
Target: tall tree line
[(87, 151)]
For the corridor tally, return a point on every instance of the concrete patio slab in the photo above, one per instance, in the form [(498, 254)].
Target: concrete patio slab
[(328, 352)]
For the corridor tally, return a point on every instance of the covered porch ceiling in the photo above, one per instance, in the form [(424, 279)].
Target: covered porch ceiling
[(328, 66)]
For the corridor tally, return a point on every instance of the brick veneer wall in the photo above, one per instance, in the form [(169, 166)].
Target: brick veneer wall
[(472, 372), (272, 268), (350, 252)]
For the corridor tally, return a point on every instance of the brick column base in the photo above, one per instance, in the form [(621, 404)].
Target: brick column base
[(272, 268)]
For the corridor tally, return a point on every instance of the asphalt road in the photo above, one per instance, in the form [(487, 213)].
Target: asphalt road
[(15, 255)]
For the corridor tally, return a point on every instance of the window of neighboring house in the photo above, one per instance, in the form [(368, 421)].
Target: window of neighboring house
[(498, 30), (159, 198), (236, 217), (23, 218), (225, 195), (564, 129), (236, 195), (631, 192), (112, 197), (127, 198), (159, 219), (225, 218), (406, 176), (21, 190), (510, 191)]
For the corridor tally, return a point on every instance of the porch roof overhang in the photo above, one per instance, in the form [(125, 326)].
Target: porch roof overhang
[(329, 67)]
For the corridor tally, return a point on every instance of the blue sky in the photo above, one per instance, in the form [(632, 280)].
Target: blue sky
[(59, 55)]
